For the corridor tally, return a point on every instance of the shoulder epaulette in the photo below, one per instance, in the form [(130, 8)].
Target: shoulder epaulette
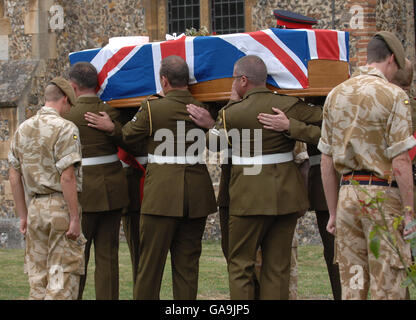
[(147, 101)]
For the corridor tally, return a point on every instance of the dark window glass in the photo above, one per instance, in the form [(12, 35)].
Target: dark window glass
[(183, 14), (227, 16)]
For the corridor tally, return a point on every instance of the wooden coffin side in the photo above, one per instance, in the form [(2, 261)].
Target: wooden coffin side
[(323, 76)]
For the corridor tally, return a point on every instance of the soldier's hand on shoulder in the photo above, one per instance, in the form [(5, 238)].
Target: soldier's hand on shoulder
[(200, 116), (277, 122), (101, 121)]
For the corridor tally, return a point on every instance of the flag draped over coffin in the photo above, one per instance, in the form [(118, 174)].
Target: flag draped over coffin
[(132, 71)]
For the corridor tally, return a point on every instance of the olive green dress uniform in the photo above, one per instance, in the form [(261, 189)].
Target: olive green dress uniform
[(311, 134), (131, 214), (104, 194), (177, 199), (263, 206)]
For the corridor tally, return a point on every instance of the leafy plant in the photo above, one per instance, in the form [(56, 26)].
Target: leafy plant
[(387, 231), (203, 31)]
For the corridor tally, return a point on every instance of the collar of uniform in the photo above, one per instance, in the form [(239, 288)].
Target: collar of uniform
[(255, 90), (178, 93), (368, 70), (48, 110), (88, 99)]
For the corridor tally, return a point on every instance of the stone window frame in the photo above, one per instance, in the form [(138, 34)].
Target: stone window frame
[(156, 17)]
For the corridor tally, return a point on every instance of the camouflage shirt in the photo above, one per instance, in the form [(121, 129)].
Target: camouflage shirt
[(366, 123), (44, 146)]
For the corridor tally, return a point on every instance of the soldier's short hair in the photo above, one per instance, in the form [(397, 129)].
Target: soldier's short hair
[(377, 50), (253, 68), (53, 93), (175, 69), (84, 74)]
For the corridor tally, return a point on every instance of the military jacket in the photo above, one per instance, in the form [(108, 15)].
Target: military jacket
[(311, 134), (42, 148), (104, 185), (367, 122), (170, 189), (275, 190)]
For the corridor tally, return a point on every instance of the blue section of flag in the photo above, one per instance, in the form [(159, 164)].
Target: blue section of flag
[(295, 41), (135, 78), (214, 58), (82, 56)]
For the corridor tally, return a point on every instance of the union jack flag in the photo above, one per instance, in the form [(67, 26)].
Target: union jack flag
[(132, 71)]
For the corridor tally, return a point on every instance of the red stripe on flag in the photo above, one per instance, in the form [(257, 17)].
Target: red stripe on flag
[(412, 152), (281, 55), (113, 62), (173, 48), (325, 40)]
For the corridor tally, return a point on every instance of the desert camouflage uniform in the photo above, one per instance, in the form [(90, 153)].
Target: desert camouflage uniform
[(43, 147), (366, 123)]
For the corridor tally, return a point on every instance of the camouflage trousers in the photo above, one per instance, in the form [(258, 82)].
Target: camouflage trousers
[(53, 262), (360, 271)]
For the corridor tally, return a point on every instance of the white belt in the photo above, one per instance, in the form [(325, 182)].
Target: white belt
[(315, 160), (174, 159), (141, 160), (263, 159), (92, 161)]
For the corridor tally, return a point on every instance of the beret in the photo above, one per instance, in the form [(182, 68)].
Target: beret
[(66, 88), (395, 47)]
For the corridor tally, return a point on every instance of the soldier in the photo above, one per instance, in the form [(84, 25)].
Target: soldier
[(178, 192), (301, 131), (104, 185), (263, 206), (46, 154), (366, 133), (134, 164)]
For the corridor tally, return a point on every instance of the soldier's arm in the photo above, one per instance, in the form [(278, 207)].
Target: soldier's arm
[(16, 184), (69, 191), (300, 123), (330, 184), (402, 171), (308, 133)]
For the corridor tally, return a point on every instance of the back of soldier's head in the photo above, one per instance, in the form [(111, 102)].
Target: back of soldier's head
[(253, 68), (175, 69), (53, 93), (84, 74), (404, 77), (377, 50)]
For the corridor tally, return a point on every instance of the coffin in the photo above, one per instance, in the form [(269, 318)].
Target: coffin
[(300, 62)]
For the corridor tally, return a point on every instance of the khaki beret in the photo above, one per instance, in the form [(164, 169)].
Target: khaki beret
[(66, 88), (395, 46)]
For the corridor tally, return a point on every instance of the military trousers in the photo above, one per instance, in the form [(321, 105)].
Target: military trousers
[(159, 235), (131, 226), (224, 218), (102, 229), (53, 262), (274, 235), (328, 242), (360, 271)]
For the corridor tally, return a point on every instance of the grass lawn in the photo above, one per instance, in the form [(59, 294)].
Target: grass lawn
[(313, 281)]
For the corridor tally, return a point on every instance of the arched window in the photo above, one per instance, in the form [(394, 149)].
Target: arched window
[(227, 16), (182, 15), (175, 16)]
